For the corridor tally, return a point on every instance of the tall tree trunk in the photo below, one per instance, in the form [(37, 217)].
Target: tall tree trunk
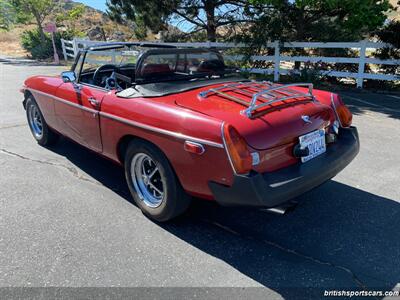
[(103, 34), (40, 26), (209, 7), (299, 35)]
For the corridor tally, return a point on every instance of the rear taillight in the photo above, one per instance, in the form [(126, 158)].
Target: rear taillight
[(343, 113), (237, 149)]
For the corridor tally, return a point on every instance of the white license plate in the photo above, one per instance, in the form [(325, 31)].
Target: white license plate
[(315, 142)]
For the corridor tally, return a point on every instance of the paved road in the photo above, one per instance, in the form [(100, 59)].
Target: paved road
[(66, 219)]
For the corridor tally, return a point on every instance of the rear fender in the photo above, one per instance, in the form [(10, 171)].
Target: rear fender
[(168, 127)]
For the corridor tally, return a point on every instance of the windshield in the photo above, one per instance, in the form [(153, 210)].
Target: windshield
[(118, 57), (126, 66)]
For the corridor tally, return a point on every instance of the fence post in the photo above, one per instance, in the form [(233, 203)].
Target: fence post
[(63, 49), (361, 64), (276, 61), (75, 46)]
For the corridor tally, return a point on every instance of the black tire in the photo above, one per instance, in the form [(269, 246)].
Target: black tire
[(174, 201), (43, 135)]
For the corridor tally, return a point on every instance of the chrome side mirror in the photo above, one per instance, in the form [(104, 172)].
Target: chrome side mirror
[(68, 76)]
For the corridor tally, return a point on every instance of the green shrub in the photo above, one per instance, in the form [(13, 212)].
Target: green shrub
[(31, 42), (390, 34)]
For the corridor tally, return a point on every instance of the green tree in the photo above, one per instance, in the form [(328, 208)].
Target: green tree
[(200, 15), (390, 33), (321, 20), (7, 14), (37, 9), (71, 16), (315, 20)]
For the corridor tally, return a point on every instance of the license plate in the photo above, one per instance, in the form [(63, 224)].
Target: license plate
[(315, 142)]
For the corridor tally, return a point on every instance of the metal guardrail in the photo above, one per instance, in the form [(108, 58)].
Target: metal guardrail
[(71, 48)]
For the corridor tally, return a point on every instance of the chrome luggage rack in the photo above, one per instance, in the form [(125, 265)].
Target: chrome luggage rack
[(265, 92)]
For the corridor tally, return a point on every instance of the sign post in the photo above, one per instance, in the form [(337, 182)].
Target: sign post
[(51, 28)]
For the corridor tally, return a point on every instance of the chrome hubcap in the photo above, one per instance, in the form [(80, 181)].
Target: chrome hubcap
[(35, 121), (147, 180)]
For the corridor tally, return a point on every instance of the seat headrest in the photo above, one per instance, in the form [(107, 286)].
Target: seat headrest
[(211, 66), (155, 69)]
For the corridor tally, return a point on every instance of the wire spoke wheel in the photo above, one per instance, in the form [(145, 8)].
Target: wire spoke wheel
[(147, 179)]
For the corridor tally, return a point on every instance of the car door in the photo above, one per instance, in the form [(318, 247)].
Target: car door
[(77, 113)]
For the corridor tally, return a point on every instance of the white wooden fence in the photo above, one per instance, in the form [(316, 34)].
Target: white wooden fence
[(71, 48)]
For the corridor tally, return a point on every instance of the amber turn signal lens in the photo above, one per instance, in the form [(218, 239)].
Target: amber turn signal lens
[(343, 112), (237, 149), (344, 115)]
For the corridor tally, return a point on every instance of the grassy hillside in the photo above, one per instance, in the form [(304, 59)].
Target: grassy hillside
[(395, 15), (97, 25), (94, 24)]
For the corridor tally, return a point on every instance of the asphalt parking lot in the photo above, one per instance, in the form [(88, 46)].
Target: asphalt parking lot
[(66, 218)]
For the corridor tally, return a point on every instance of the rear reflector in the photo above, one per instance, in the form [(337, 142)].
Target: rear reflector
[(193, 147)]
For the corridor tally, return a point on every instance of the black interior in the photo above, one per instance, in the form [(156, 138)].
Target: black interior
[(125, 75)]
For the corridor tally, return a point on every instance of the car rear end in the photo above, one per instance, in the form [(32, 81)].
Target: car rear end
[(281, 141)]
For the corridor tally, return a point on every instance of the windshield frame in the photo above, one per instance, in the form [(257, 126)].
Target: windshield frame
[(140, 80), (146, 51)]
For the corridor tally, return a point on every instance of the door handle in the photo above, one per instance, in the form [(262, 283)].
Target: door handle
[(94, 101)]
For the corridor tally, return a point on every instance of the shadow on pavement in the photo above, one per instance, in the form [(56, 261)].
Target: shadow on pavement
[(380, 103), (339, 237)]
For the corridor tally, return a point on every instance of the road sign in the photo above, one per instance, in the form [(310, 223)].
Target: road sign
[(50, 27)]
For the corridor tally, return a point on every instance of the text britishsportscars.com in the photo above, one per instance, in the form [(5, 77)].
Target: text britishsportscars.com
[(362, 293)]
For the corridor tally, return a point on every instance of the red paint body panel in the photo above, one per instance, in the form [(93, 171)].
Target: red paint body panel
[(282, 124), (78, 124), (49, 86), (192, 170), (169, 121)]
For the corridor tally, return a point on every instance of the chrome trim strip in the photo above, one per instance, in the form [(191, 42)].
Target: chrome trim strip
[(93, 111), (159, 130), (226, 148), (227, 153), (334, 109), (133, 123)]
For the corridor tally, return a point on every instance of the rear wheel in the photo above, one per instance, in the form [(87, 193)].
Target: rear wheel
[(152, 182), (39, 128)]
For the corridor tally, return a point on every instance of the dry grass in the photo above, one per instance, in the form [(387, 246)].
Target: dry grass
[(10, 42), (394, 15)]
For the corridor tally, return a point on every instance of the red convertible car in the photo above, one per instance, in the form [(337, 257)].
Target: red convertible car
[(184, 124)]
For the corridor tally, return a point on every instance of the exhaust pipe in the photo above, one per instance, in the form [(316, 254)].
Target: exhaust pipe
[(276, 210), (281, 210)]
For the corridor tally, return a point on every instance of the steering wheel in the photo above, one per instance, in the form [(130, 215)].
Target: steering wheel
[(96, 75), (111, 82)]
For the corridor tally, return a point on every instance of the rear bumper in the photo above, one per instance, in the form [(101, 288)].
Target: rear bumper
[(276, 188)]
